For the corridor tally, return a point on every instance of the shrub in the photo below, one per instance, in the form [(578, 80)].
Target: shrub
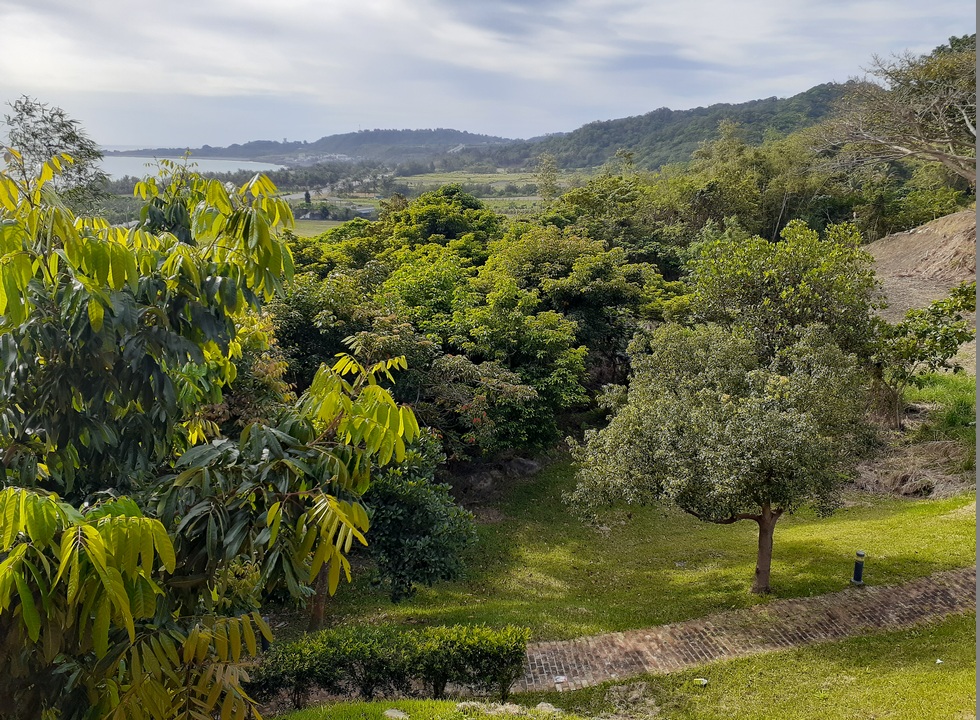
[(418, 534), (367, 661)]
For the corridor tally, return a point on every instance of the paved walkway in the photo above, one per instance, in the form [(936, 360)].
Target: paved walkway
[(778, 625)]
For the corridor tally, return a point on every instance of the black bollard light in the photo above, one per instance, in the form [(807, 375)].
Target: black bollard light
[(858, 578)]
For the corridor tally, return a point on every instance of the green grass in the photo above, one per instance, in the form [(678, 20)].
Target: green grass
[(540, 566), (886, 675), (312, 228), (415, 709), (954, 418)]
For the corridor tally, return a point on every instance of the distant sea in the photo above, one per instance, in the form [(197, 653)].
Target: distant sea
[(118, 166)]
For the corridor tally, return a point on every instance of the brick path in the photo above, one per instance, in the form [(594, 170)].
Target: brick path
[(780, 624)]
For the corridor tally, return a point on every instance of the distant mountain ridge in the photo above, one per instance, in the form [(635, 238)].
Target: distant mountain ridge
[(656, 138), (381, 145)]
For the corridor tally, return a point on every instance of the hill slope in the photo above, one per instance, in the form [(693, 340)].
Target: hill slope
[(390, 146), (664, 136), (922, 264), (656, 138)]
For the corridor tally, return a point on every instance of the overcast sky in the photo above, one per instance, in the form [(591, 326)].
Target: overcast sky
[(192, 72)]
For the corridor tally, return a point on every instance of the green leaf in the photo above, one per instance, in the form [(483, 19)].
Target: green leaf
[(96, 314), (29, 611)]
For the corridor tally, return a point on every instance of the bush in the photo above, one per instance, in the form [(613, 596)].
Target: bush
[(296, 668), (367, 661), (418, 534)]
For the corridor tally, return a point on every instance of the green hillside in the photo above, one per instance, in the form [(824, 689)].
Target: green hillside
[(656, 138)]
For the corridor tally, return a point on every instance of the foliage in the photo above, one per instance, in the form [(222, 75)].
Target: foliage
[(418, 534), (546, 176), (40, 132), (770, 290), (113, 342), (925, 341), (111, 336), (925, 107), (724, 437), (369, 660)]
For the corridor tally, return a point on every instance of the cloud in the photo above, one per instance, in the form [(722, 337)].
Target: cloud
[(221, 71)]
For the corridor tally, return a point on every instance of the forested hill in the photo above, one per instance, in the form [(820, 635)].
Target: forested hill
[(664, 136), (391, 146), (656, 138)]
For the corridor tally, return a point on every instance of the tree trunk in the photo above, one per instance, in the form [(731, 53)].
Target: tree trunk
[(319, 603), (767, 524)]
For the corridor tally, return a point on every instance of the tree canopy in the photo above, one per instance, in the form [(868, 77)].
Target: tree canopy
[(921, 106), (137, 543), (710, 427)]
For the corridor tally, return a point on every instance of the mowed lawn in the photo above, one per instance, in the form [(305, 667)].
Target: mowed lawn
[(924, 673), (312, 228), (538, 565)]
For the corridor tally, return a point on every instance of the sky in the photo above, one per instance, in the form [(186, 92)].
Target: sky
[(184, 73)]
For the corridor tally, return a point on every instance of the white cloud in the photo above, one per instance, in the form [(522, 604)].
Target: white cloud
[(218, 71)]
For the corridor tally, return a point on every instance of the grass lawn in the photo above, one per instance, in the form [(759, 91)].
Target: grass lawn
[(887, 675), (540, 566), (312, 228)]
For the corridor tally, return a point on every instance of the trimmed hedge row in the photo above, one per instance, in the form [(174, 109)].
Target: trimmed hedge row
[(372, 660)]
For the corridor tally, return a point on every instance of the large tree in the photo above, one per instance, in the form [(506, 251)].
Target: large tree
[(710, 428), (112, 342), (41, 131), (917, 106), (771, 289)]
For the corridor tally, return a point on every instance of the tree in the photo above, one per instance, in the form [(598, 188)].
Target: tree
[(922, 106), (710, 428), (112, 343), (925, 341), (40, 132), (771, 289), (546, 176)]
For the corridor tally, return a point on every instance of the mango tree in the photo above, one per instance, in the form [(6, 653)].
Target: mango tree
[(710, 428)]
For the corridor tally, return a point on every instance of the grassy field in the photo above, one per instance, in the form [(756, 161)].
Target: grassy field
[(312, 228), (887, 675), (538, 565), (498, 179)]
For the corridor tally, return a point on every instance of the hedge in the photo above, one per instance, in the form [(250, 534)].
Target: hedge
[(367, 661)]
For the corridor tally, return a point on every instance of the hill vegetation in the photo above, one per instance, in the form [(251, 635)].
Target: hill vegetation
[(657, 138)]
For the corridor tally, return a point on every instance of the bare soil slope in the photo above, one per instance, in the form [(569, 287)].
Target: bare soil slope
[(917, 267), (921, 265)]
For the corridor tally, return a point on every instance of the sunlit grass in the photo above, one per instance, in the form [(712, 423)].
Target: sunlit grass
[(954, 417), (542, 567), (887, 675), (312, 228)]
